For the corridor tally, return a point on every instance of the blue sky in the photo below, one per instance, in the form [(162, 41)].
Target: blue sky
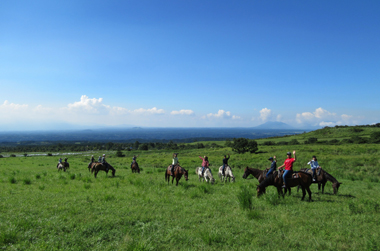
[(82, 64)]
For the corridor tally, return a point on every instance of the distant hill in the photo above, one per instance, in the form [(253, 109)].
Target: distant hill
[(274, 125)]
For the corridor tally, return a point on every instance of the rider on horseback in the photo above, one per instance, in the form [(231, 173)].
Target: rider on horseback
[(92, 159), (100, 159), (288, 164), (205, 164), (272, 166), (134, 160), (314, 165), (174, 163), (59, 162), (225, 163)]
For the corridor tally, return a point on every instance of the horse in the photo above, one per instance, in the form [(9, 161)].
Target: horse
[(91, 166), (227, 172), (257, 173), (135, 167), (61, 166), (207, 174), (322, 177), (66, 164), (103, 167), (178, 172), (298, 178)]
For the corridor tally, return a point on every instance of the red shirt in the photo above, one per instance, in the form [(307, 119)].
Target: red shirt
[(289, 164)]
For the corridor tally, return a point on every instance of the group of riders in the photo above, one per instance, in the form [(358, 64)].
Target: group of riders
[(288, 164), (205, 163)]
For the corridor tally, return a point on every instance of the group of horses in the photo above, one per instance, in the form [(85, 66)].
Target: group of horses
[(302, 179)]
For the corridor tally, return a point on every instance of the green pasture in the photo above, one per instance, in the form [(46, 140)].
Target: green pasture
[(43, 209)]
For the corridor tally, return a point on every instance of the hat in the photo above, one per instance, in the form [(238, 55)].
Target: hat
[(288, 153), (271, 158)]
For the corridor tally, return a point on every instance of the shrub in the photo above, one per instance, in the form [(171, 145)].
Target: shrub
[(294, 142), (72, 176), (282, 143), (312, 140), (144, 147), (27, 181), (375, 137), (269, 143), (245, 198), (12, 180), (49, 154), (38, 176), (12, 155), (1, 156)]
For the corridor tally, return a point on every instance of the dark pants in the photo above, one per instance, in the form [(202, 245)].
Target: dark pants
[(172, 169), (203, 170), (287, 175), (224, 169), (270, 171), (314, 173)]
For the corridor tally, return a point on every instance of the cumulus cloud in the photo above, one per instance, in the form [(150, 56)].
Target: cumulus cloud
[(11, 106), (182, 112), (323, 117), (236, 117), (220, 114), (90, 105), (265, 114)]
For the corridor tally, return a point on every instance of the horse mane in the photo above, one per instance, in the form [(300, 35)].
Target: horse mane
[(255, 171), (330, 178)]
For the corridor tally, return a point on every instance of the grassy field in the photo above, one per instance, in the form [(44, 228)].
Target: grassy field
[(41, 209)]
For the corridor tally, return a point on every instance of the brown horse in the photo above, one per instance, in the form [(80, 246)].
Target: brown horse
[(102, 167), (178, 172), (322, 177), (298, 178), (257, 173), (135, 167)]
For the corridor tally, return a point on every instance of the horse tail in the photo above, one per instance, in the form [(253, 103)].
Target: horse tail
[(166, 175)]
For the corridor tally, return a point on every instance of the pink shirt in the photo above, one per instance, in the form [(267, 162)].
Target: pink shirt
[(204, 162)]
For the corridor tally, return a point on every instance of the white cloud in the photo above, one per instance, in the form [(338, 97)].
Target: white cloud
[(88, 105), (323, 117), (11, 106), (220, 114), (265, 114), (182, 112), (279, 117), (236, 117), (153, 110)]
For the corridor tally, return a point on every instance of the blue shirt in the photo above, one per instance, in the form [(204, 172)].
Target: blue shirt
[(273, 165), (313, 164)]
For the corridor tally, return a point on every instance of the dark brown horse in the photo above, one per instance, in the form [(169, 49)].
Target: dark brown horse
[(178, 172), (302, 179), (102, 167), (135, 167), (257, 173), (322, 177)]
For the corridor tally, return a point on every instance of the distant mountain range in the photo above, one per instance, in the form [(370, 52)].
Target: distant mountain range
[(274, 125)]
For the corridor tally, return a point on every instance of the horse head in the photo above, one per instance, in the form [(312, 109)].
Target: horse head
[(336, 186), (260, 190), (186, 174), (233, 178), (246, 173)]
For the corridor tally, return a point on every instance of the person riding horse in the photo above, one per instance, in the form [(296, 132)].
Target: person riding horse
[(134, 160), (273, 166), (174, 163), (225, 163), (314, 165), (59, 162), (205, 164), (100, 159), (92, 159), (288, 164), (104, 162)]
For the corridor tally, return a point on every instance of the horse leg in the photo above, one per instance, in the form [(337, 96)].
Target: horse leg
[(303, 193), (309, 192), (319, 187), (290, 191), (323, 187), (279, 192), (177, 181)]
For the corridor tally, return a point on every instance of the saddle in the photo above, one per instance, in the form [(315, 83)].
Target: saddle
[(295, 175)]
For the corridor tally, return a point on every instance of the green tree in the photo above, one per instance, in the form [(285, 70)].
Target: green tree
[(242, 145), (144, 147)]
